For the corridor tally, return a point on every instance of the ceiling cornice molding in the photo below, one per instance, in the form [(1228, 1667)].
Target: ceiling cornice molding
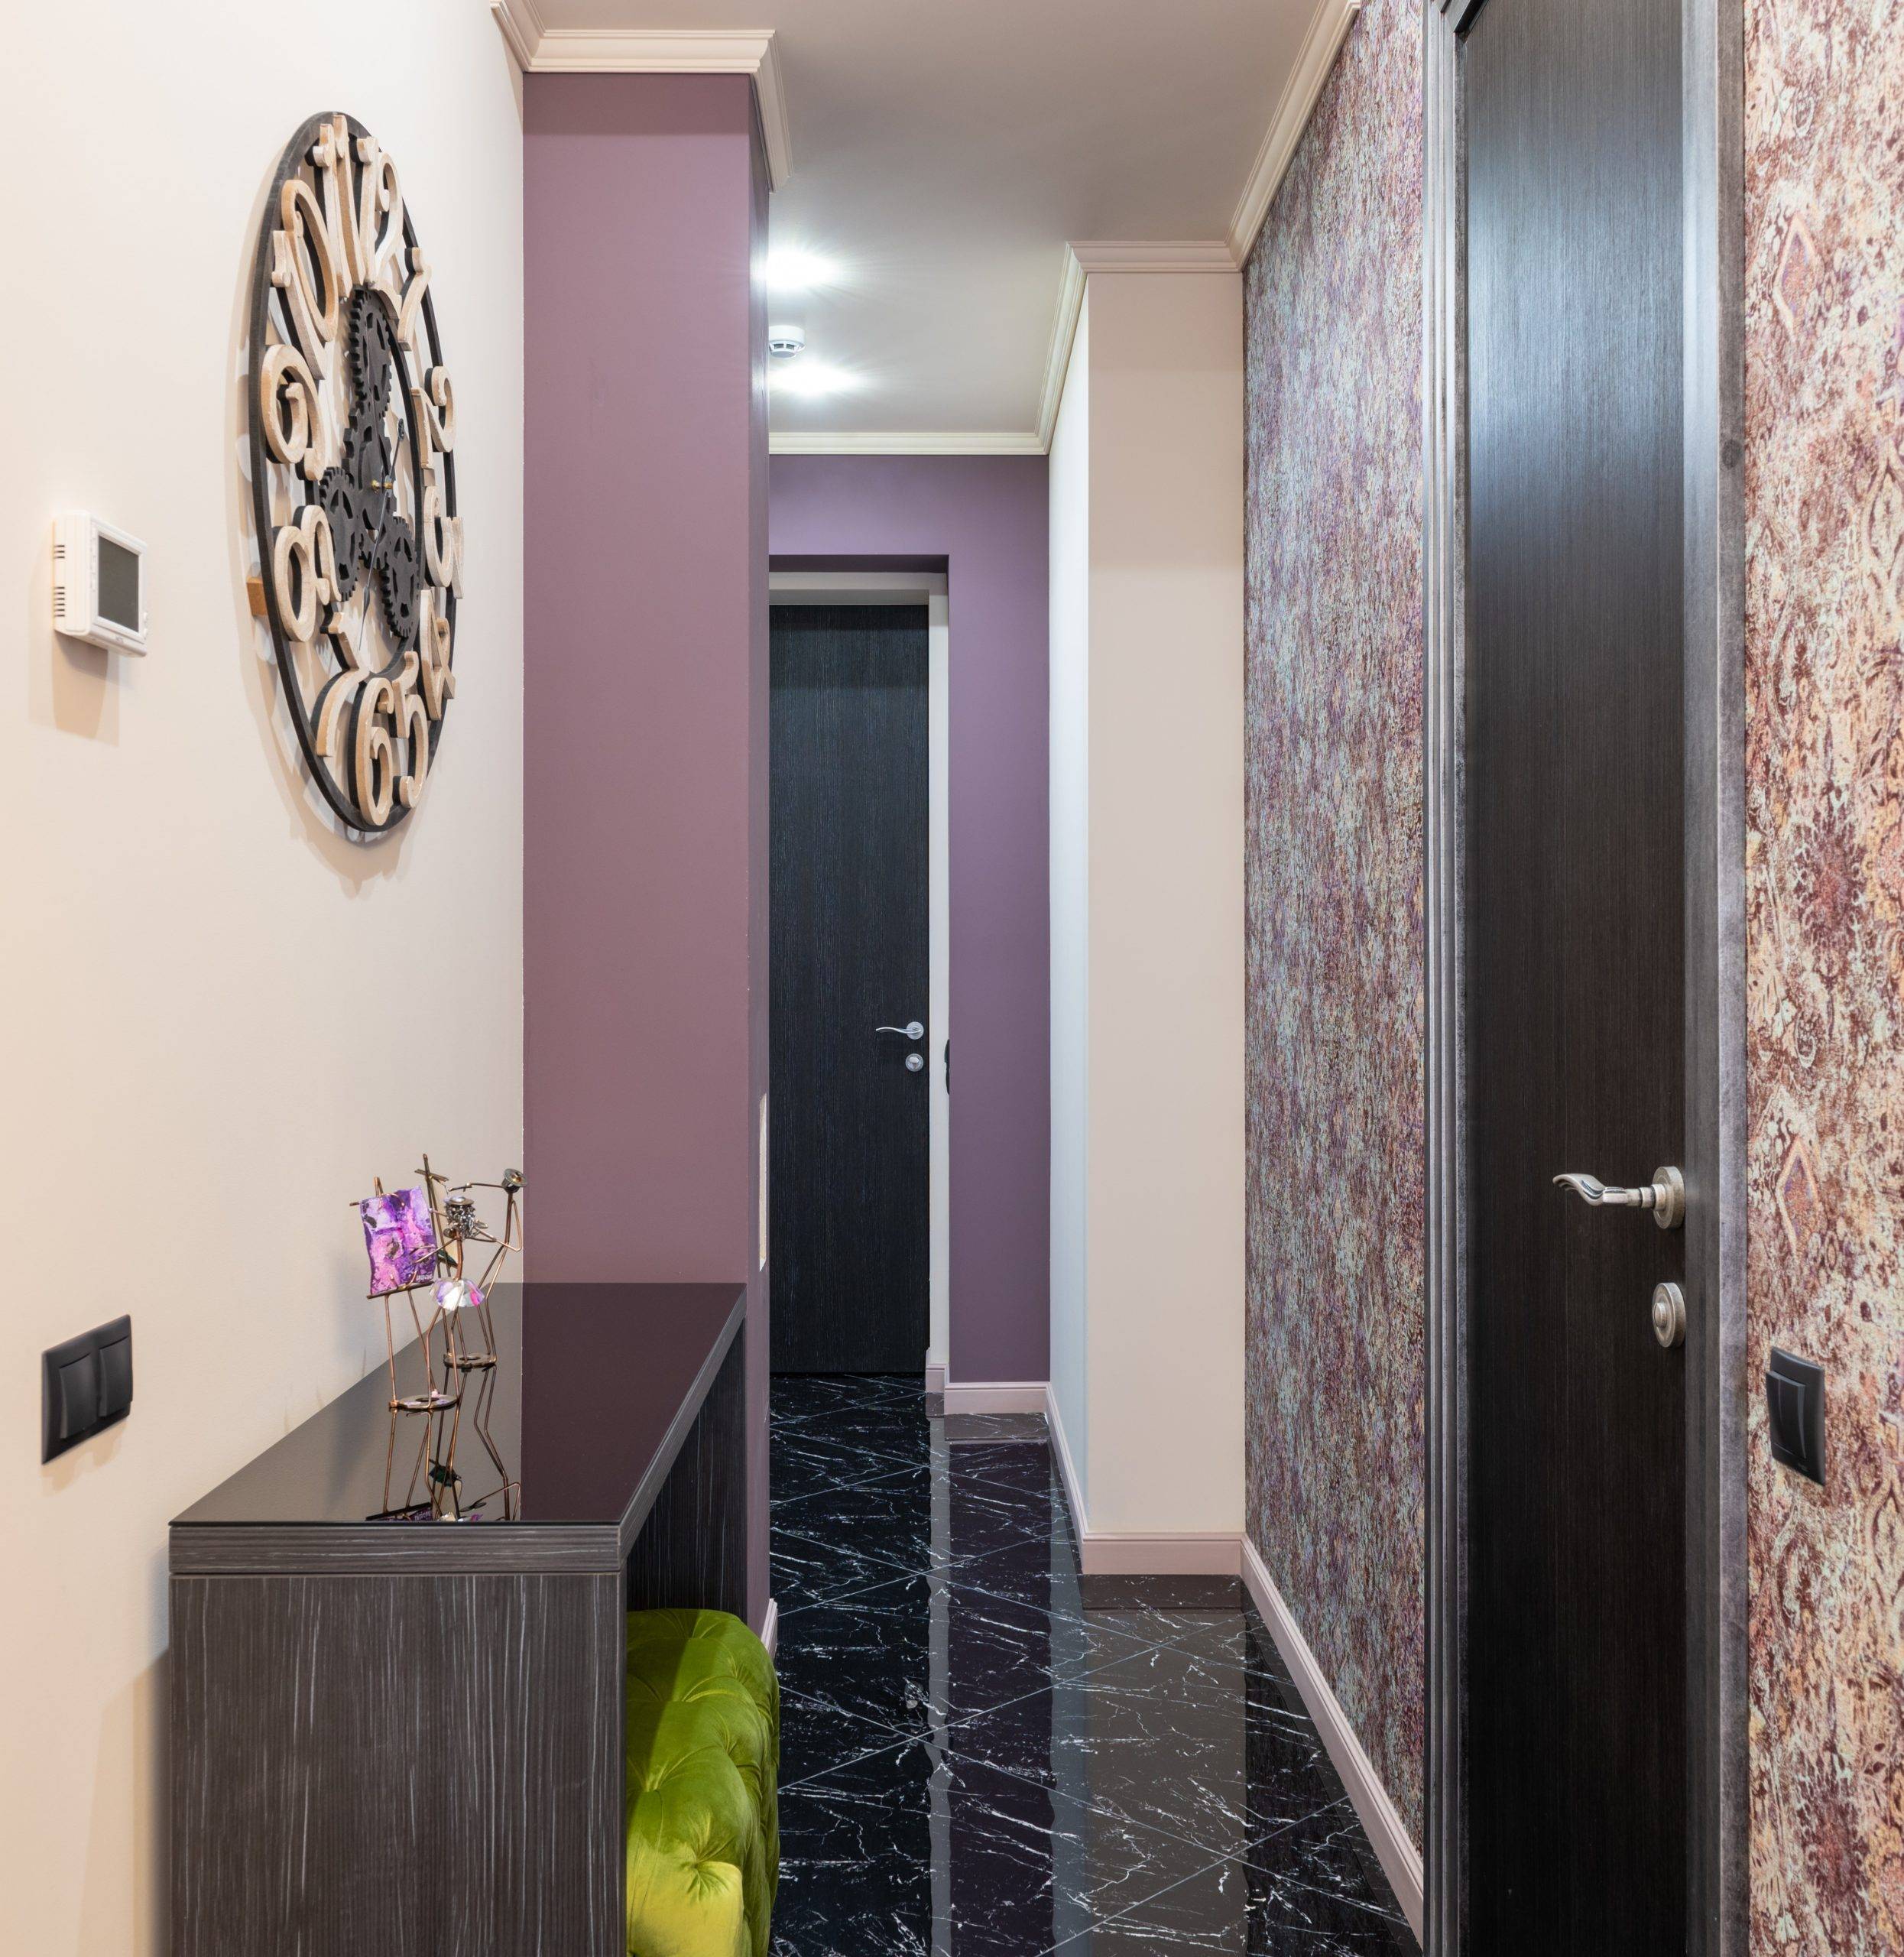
[(750, 51), (1328, 28), (949, 441), (1085, 256), (1064, 330), (521, 27), (1153, 255)]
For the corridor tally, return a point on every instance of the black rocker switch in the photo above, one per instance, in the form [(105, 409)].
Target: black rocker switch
[(115, 1377), (87, 1385), (1794, 1410), (79, 1397)]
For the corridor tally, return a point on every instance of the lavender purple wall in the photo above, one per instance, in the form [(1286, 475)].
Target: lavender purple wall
[(984, 518), (645, 688)]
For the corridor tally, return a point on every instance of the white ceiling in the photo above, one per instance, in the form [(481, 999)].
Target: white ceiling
[(944, 151)]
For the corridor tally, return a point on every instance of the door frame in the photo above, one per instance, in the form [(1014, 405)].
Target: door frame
[(928, 589), (1715, 1085)]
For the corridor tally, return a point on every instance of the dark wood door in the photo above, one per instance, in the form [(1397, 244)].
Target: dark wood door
[(848, 953), (1574, 937)]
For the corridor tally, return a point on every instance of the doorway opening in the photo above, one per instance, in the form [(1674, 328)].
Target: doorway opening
[(858, 1180)]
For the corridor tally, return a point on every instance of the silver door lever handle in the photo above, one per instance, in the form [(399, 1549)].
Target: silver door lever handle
[(1665, 1196), (912, 1030)]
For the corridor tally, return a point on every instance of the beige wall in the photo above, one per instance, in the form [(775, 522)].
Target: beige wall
[(221, 1017), (1161, 1101)]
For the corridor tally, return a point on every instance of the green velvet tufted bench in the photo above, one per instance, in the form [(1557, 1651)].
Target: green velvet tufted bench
[(703, 1747)]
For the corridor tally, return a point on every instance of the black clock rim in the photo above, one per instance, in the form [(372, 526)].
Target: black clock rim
[(354, 818)]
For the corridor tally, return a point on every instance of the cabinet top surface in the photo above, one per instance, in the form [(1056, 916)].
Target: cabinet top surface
[(591, 1388)]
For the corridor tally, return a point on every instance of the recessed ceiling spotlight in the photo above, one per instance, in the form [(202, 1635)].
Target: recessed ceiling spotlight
[(790, 269), (805, 379), (784, 341)]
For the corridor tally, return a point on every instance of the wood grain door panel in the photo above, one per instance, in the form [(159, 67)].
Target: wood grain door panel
[(849, 952), (1574, 931)]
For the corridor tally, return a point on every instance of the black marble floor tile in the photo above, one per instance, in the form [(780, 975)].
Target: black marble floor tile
[(1032, 1570), (1207, 1911), (1103, 1592), (917, 1655), (891, 1517), (1023, 1467), (805, 1461), (1175, 1736), (1179, 1625), (1314, 1887), (970, 1527), (898, 1434), (984, 1515), (1268, 1906), (807, 1570), (861, 1673), (798, 1396), (998, 1650), (975, 1764), (818, 1736), (915, 1849), (822, 1400)]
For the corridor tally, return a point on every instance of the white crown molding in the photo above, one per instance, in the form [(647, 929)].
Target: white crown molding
[(521, 27), (1064, 330), (879, 442), (749, 51), (1152, 254), (1401, 1860), (1086, 256), (1328, 28)]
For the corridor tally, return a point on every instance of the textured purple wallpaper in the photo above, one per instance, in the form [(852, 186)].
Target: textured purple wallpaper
[(1333, 301), (1825, 785)]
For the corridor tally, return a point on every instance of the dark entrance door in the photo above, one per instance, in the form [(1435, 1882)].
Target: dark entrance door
[(849, 956), (1575, 940)]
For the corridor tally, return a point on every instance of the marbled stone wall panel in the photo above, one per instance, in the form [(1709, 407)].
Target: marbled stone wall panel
[(1824, 616), (1333, 298)]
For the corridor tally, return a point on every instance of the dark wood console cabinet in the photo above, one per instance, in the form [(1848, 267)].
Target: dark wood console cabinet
[(404, 1737)]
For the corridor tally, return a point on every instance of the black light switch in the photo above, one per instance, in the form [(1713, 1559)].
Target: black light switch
[(79, 1396), (115, 1378), (86, 1385), (1795, 1410)]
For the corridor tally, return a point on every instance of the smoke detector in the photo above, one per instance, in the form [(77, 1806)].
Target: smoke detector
[(783, 342)]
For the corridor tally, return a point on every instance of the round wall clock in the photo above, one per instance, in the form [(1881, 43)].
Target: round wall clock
[(353, 479)]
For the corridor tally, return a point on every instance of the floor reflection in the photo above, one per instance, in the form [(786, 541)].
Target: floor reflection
[(973, 1763)]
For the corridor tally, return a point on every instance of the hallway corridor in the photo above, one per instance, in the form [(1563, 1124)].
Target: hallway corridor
[(974, 1764)]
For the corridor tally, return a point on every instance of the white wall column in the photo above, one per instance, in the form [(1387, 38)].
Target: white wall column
[(1148, 952)]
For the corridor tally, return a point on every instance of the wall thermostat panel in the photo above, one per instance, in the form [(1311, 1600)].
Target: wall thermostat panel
[(98, 584)]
